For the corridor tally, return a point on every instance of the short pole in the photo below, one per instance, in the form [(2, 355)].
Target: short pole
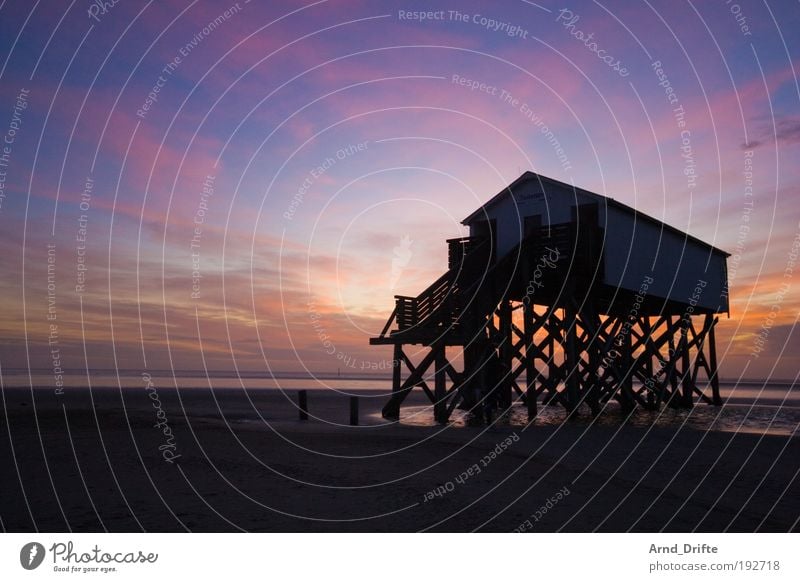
[(302, 401), (354, 411), (530, 402)]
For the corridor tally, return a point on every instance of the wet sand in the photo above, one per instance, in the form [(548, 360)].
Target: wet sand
[(231, 460)]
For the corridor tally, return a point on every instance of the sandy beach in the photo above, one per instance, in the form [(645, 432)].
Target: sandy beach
[(228, 460)]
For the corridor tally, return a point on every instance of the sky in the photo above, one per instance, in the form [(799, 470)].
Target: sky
[(245, 186)]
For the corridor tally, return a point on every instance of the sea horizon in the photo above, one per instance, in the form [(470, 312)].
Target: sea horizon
[(288, 375), (759, 406)]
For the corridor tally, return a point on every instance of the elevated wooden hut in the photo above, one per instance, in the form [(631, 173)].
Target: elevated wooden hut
[(566, 296)]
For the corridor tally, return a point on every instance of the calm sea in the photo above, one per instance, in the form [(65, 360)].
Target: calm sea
[(766, 407)]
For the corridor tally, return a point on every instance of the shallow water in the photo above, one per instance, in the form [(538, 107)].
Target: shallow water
[(750, 390), (759, 407), (756, 419)]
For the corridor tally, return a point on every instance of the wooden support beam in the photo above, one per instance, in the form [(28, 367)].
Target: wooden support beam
[(673, 399), (589, 357), (711, 323), (421, 383), (686, 376), (389, 322), (571, 357), (440, 388), (506, 353), (596, 347), (531, 373), (469, 377), (392, 408), (626, 385), (554, 371)]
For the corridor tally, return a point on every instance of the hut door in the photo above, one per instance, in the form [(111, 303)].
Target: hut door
[(532, 225), (587, 244), (585, 215)]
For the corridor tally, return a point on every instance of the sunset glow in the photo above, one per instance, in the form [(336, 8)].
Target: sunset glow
[(247, 186)]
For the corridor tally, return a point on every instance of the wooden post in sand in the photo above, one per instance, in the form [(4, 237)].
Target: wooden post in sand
[(302, 401), (354, 411), (531, 374)]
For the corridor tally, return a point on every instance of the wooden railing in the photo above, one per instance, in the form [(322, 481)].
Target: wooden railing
[(557, 236), (458, 248), (414, 311), (580, 249), (441, 304)]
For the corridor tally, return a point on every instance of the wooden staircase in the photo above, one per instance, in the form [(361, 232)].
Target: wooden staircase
[(469, 291), (438, 309)]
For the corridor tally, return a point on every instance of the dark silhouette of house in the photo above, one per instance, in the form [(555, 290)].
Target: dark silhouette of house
[(567, 297)]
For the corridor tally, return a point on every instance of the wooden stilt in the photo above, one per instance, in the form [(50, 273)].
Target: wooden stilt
[(647, 359), (506, 352), (626, 387), (571, 357), (531, 374), (686, 373), (392, 408), (440, 388), (712, 361)]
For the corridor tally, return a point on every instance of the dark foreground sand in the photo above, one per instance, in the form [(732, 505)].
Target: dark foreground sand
[(91, 462)]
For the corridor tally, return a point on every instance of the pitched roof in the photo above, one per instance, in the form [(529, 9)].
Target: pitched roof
[(527, 176)]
